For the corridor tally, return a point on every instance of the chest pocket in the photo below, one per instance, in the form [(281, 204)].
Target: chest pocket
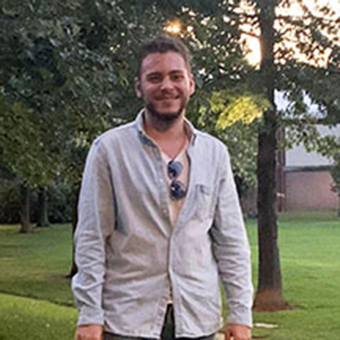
[(204, 201)]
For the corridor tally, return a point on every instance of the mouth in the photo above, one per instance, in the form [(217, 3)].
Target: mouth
[(168, 102), (167, 98)]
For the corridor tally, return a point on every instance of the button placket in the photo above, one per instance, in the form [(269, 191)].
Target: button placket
[(162, 182)]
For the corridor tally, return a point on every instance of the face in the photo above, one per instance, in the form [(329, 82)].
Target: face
[(165, 84)]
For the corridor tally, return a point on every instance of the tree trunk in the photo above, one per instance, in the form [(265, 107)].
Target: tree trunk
[(42, 208), (76, 193), (25, 225), (269, 291)]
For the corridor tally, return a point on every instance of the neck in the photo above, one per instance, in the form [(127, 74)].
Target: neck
[(164, 130)]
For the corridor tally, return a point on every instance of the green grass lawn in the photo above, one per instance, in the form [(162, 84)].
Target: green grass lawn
[(35, 265), (36, 302), (310, 261), (25, 318)]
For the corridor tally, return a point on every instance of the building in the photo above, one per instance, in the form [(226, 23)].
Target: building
[(304, 181), (307, 179)]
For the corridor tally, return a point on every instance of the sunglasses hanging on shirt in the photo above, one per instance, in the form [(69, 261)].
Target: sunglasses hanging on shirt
[(177, 189)]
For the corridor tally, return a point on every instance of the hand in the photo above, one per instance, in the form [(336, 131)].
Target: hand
[(89, 332), (237, 332)]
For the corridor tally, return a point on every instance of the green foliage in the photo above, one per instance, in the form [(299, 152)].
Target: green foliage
[(307, 133), (241, 141), (59, 200), (70, 65), (244, 108), (21, 143), (9, 201), (224, 99), (67, 70), (305, 64), (59, 78), (299, 70)]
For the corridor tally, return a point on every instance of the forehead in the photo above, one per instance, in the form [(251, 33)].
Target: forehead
[(163, 62)]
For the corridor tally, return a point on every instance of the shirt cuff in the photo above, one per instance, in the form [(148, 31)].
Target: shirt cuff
[(91, 316), (241, 316)]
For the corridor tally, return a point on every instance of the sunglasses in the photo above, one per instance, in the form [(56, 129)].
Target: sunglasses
[(177, 188)]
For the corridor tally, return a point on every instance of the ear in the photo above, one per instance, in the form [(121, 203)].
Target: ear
[(138, 88), (191, 84)]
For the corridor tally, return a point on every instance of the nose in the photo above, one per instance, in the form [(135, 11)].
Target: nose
[(166, 84)]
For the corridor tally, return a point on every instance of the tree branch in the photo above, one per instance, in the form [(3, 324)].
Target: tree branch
[(253, 35)]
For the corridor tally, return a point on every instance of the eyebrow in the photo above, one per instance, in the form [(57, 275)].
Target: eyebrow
[(160, 73)]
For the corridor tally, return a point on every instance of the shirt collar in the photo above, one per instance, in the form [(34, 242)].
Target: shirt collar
[(145, 139)]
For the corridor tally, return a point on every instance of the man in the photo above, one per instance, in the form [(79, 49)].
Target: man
[(159, 220)]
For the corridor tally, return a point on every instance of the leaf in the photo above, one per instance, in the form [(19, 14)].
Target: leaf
[(244, 108)]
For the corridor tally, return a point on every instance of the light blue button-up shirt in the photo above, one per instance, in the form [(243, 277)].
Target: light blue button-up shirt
[(130, 257)]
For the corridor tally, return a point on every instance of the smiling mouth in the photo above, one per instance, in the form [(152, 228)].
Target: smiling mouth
[(167, 98)]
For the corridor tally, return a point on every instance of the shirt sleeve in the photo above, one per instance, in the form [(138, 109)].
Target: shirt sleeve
[(231, 249), (95, 222)]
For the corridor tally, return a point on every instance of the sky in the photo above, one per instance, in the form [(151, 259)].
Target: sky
[(254, 54)]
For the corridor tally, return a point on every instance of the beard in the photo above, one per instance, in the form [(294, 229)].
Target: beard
[(165, 117)]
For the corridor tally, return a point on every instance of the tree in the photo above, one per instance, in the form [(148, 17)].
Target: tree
[(289, 68), (43, 208), (78, 60), (17, 134), (300, 57), (225, 103), (53, 70), (73, 62)]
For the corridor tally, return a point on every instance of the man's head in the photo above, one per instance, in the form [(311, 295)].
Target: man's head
[(165, 81), (164, 44)]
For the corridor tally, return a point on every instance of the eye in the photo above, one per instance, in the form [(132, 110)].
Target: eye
[(177, 76), (154, 78)]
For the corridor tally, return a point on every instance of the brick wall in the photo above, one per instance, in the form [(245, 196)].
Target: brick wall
[(310, 190)]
